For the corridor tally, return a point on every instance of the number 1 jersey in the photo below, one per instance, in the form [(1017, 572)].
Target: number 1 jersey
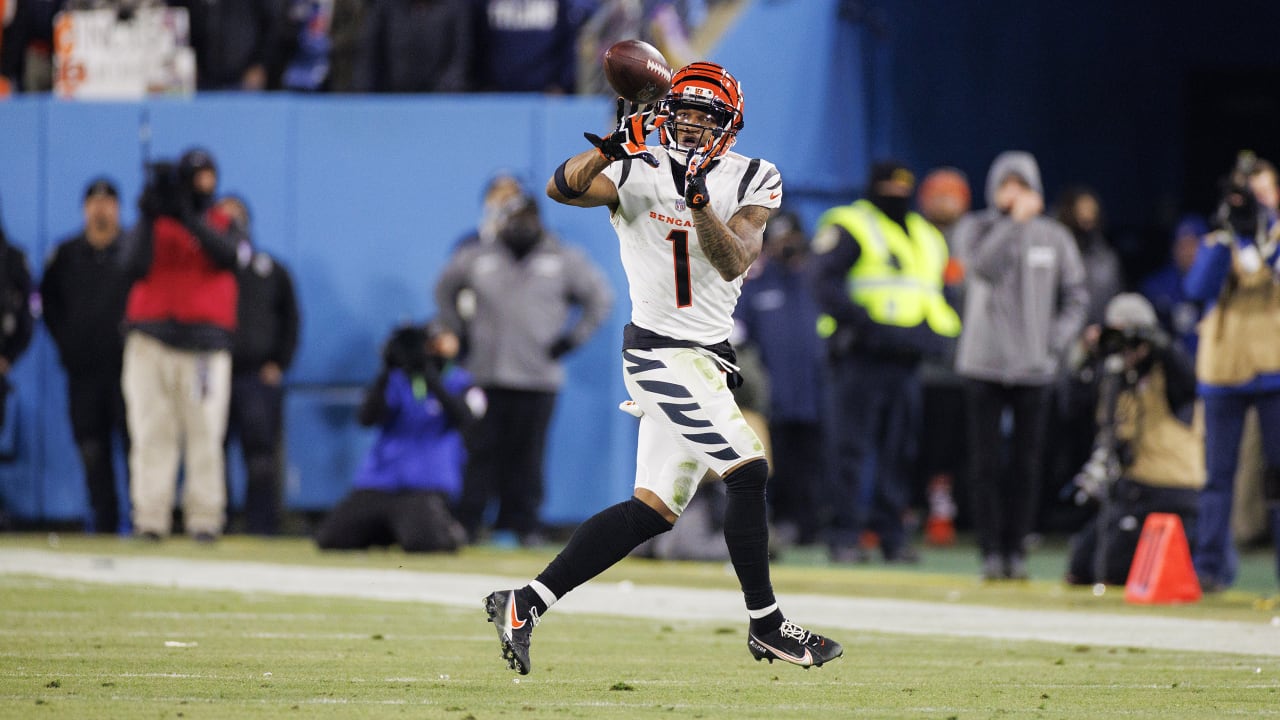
[(674, 289)]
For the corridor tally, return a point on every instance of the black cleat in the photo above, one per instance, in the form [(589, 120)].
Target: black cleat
[(792, 643), (515, 622)]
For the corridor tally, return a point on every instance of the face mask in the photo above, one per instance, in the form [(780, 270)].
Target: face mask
[(520, 234), (895, 207)]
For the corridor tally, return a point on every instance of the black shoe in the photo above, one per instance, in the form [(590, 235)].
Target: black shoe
[(515, 622), (150, 536), (1015, 567), (992, 567), (848, 555), (204, 538), (905, 555), (792, 643)]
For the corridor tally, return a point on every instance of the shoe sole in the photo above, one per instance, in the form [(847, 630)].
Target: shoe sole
[(759, 652), (508, 651)]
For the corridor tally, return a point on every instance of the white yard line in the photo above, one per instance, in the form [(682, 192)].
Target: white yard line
[(658, 602)]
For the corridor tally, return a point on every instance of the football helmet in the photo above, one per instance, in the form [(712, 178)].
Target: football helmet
[(709, 88)]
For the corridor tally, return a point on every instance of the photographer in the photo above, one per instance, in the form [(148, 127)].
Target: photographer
[(179, 321), (1147, 457), (422, 405), (1237, 272)]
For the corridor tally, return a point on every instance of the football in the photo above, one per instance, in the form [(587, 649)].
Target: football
[(637, 71)]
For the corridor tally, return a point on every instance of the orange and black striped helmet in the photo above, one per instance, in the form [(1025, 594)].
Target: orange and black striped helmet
[(708, 87)]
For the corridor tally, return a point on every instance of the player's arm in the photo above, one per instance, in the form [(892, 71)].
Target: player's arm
[(731, 246), (578, 182)]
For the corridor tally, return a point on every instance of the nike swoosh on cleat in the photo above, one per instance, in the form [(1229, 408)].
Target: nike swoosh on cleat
[(773, 196), (516, 623), (806, 659)]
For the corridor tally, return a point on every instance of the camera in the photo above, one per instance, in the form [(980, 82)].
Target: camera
[(163, 193), (1117, 340), (1239, 212), (409, 349)]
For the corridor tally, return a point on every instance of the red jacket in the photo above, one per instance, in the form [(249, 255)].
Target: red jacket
[(183, 284)]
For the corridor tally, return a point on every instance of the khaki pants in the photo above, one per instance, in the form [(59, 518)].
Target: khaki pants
[(176, 403)]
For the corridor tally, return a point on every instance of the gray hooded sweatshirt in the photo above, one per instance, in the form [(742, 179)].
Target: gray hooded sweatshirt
[(1025, 292)]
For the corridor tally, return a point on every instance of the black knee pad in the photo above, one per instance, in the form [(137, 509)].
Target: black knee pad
[(749, 479)]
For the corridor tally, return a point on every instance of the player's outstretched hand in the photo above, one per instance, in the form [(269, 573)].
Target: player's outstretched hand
[(628, 139), (697, 163)]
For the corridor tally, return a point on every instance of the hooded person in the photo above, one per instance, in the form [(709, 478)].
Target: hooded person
[(1025, 303), (518, 304)]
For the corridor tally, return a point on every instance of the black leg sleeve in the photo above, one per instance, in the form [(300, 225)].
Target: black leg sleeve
[(600, 542), (746, 532)]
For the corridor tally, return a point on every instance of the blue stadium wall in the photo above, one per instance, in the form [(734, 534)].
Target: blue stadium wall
[(362, 198)]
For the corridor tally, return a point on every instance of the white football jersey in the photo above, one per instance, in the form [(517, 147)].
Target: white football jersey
[(674, 290)]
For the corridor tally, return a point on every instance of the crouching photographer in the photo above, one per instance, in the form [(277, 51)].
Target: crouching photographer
[(1147, 457), (1237, 275), (422, 405)]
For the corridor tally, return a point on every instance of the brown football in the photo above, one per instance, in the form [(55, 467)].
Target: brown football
[(637, 71)]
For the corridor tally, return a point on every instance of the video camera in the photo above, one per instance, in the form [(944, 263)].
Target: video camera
[(408, 349), (1117, 340), (163, 193), (1239, 212)]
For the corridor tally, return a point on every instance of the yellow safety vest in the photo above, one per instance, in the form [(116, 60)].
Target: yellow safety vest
[(906, 295)]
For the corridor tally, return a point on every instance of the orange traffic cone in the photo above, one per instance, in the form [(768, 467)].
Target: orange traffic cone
[(1161, 571), (940, 526)]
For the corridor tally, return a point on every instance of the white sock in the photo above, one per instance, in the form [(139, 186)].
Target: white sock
[(757, 614), (547, 596)]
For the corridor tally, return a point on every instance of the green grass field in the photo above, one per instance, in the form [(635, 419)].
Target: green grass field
[(82, 650)]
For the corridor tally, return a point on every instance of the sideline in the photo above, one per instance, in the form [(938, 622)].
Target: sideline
[(910, 617)]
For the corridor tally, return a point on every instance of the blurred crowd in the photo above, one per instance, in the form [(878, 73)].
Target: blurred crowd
[(388, 46), (923, 358)]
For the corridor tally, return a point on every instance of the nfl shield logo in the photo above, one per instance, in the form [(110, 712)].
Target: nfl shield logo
[(680, 205)]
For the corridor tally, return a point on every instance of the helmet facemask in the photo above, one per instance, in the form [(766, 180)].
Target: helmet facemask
[(711, 101)]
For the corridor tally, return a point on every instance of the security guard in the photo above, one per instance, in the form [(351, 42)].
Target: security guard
[(879, 282)]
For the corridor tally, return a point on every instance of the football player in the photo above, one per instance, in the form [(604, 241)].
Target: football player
[(690, 219)]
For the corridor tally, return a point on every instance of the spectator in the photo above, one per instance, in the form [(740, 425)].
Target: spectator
[(527, 45), (232, 40), (879, 280), (26, 48), (1025, 303), (943, 198), (15, 312), (501, 188), (414, 46), (1237, 274), (1070, 422), (83, 294), (421, 404), (180, 319), (1081, 212), (265, 340), (345, 33), (778, 314), (1147, 457), (316, 44), (525, 287), (1179, 315)]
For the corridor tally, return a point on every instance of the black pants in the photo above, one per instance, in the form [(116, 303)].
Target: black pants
[(256, 417), (877, 422), (505, 459), (798, 469), (1102, 550), (96, 406), (416, 520), (1003, 496)]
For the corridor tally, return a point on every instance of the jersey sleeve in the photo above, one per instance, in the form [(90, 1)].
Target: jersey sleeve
[(762, 187)]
